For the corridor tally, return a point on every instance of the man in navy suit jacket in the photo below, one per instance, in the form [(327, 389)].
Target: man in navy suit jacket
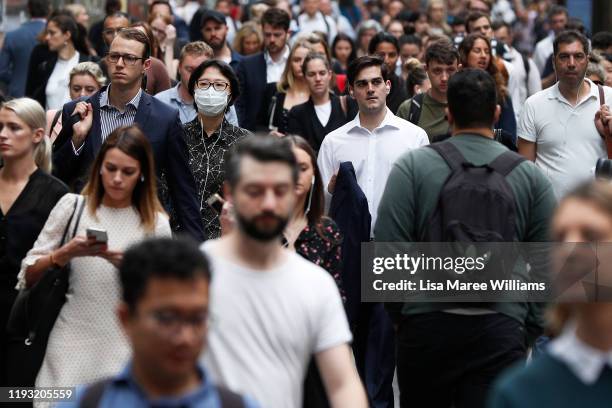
[(256, 71), (86, 123), (18, 45)]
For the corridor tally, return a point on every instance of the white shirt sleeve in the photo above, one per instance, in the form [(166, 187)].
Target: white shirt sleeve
[(327, 167), (50, 237), (535, 80), (332, 326), (526, 128), (423, 139)]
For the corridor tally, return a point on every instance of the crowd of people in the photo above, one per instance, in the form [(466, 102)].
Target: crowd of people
[(218, 165)]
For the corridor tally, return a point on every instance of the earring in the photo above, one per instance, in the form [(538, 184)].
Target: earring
[(142, 178), (100, 171)]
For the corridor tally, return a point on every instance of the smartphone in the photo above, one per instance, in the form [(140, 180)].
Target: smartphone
[(100, 235), (216, 202)]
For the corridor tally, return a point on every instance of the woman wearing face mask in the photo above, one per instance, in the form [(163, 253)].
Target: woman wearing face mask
[(86, 342), (214, 87), (28, 193), (575, 366), (85, 80)]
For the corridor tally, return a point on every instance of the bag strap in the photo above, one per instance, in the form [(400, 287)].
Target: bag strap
[(271, 116), (606, 137), (450, 154), (506, 162), (416, 105), (229, 399), (67, 228), (78, 220)]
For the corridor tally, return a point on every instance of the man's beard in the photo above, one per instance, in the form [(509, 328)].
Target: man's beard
[(251, 228), (218, 46)]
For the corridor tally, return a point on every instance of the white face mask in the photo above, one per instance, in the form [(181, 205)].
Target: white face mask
[(210, 102)]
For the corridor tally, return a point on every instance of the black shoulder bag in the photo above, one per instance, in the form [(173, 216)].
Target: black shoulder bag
[(33, 315)]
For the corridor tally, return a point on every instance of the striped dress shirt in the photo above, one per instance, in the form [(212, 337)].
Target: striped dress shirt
[(111, 118)]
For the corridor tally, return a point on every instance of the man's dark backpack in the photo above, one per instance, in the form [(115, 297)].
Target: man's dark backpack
[(476, 203), (93, 396)]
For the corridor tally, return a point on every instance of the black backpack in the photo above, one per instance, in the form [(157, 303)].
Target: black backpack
[(416, 105), (476, 203)]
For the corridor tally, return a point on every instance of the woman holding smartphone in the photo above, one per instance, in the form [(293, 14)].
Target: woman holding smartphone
[(120, 201)]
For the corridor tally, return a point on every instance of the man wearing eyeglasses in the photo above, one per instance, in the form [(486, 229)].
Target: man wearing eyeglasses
[(87, 122), (165, 314), (371, 142)]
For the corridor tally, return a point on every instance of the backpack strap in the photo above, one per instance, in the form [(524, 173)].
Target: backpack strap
[(607, 137), (416, 104), (450, 154), (93, 394), (506, 162), (229, 399)]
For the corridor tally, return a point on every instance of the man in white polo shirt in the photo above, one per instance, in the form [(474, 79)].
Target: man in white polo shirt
[(557, 127), (374, 139)]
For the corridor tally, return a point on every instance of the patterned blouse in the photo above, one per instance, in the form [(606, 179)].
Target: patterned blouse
[(206, 161), (323, 249)]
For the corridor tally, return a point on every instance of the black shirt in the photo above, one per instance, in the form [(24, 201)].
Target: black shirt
[(20, 227)]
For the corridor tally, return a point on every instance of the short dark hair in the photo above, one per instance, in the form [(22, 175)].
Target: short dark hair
[(276, 18), (261, 148), (472, 98), (382, 37), (112, 6), (472, 17), (570, 36), (410, 39), (116, 14), (164, 2), (225, 70), (364, 62), (601, 40), (501, 24), (137, 35), (555, 10), (161, 258), (442, 51), (38, 8)]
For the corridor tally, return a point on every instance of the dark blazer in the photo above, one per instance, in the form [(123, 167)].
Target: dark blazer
[(41, 66), (303, 121), (349, 208), (251, 105), (161, 124), (236, 59), (15, 56)]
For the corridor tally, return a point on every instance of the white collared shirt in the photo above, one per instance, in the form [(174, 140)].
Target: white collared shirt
[(274, 69), (543, 50), (318, 22), (526, 86), (568, 144), (583, 360), (372, 153)]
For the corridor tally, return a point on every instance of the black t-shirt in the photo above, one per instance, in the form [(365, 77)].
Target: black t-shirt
[(19, 228)]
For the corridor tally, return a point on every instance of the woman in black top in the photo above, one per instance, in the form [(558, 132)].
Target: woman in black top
[(28, 193), (324, 111), (65, 44), (317, 239), (214, 87)]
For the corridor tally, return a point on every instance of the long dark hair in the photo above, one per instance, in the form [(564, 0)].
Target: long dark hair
[(464, 50), (67, 23), (344, 37), (131, 141), (317, 203)]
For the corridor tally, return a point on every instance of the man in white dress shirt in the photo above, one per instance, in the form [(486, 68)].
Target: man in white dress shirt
[(374, 139), (313, 19)]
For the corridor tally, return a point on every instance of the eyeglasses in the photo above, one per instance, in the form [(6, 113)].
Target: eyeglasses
[(128, 59), (218, 85), (169, 324)]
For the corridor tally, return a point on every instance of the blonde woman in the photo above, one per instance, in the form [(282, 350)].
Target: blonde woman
[(249, 39), (28, 193), (120, 198), (291, 89), (86, 78)]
